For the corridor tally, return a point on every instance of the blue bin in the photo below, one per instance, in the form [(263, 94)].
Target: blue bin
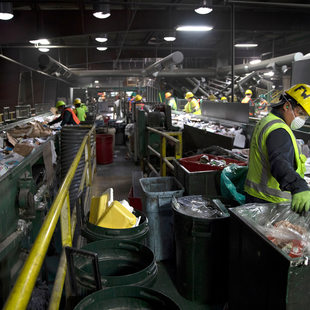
[(156, 204)]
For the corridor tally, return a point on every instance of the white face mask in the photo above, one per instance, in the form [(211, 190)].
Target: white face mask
[(297, 122)]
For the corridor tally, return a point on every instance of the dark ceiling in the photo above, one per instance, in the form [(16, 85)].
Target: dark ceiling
[(135, 31)]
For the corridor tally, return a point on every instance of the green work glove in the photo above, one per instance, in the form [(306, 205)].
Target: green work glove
[(301, 202)]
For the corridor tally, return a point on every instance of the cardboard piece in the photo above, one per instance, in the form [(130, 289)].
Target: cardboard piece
[(12, 140), (48, 163), (23, 149), (30, 130)]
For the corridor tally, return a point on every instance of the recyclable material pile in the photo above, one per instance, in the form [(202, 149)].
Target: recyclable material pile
[(284, 228), (20, 141), (108, 213), (186, 119), (197, 206)]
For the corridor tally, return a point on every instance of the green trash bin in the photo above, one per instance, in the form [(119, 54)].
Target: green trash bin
[(137, 234), (127, 297), (156, 203), (201, 237)]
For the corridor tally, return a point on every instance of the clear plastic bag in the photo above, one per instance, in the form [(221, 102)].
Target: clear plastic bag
[(197, 206), (286, 229)]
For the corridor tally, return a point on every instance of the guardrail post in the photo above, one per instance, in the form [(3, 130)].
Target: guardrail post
[(89, 161), (163, 168)]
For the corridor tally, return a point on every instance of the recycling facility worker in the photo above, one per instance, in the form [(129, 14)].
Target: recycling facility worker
[(79, 110), (224, 99), (138, 102), (171, 101), (276, 168), (67, 116), (192, 105), (248, 97), (263, 103)]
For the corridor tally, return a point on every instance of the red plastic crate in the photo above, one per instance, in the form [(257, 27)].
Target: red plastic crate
[(192, 163)]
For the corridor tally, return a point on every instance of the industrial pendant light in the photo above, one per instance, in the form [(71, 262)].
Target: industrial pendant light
[(101, 38), (205, 7), (101, 10), (6, 10), (170, 36)]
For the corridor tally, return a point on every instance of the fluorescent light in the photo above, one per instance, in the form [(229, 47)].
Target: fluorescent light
[(96, 81), (40, 41), (169, 39), (6, 11), (194, 28), (44, 49), (270, 73), (101, 15), (246, 45), (102, 48), (101, 39), (255, 61)]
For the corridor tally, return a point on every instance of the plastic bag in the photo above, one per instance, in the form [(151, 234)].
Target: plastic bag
[(232, 182), (286, 229)]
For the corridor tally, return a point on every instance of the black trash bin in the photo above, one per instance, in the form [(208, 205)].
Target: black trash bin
[(201, 235)]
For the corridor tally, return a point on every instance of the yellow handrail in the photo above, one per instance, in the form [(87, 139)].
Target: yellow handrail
[(22, 290)]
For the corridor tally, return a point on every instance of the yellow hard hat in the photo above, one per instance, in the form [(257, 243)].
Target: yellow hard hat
[(301, 93), (77, 101), (167, 95), (248, 92), (223, 98), (189, 95), (60, 103), (138, 98)]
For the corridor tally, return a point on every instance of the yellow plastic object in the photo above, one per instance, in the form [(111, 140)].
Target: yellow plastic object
[(98, 207), (117, 216)]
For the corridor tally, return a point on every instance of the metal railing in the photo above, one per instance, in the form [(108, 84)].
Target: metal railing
[(22, 290), (164, 160)]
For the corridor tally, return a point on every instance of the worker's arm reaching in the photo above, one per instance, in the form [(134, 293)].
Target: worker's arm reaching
[(55, 121)]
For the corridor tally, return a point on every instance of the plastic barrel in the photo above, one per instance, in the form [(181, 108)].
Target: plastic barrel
[(120, 263), (104, 148), (127, 297), (201, 255), (93, 233)]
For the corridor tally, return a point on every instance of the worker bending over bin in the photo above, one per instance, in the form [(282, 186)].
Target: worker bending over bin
[(67, 116), (192, 105), (79, 110), (276, 168)]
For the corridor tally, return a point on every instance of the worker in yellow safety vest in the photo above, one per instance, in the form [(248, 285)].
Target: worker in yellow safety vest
[(276, 167), (171, 101), (247, 99), (79, 110), (192, 105)]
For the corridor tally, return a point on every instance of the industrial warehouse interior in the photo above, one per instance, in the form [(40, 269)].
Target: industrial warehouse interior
[(155, 154)]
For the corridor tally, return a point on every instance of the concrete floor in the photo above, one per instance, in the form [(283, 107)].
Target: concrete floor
[(118, 175)]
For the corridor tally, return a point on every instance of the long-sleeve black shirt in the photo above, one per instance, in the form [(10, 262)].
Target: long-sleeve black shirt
[(282, 161), (65, 118)]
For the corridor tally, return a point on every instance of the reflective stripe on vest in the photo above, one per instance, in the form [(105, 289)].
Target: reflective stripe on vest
[(260, 183), (75, 118)]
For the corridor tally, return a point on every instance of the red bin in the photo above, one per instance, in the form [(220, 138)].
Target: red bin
[(104, 148)]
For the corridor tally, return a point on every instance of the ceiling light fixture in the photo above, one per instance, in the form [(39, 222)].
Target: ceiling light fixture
[(40, 41), (96, 81), (44, 49), (170, 36), (194, 28), (102, 38), (101, 10), (246, 45), (102, 48), (255, 61), (205, 8), (6, 11)]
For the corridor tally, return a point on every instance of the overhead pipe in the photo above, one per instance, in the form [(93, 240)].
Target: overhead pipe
[(265, 64), (278, 4), (172, 59)]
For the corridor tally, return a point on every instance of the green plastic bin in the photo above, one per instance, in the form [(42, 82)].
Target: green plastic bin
[(156, 203), (127, 297), (137, 234), (201, 249)]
